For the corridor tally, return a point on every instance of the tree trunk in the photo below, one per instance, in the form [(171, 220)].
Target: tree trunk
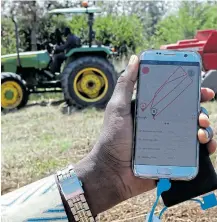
[(33, 40), (34, 27)]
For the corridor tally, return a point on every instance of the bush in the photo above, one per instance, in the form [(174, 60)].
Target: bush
[(120, 31), (8, 38)]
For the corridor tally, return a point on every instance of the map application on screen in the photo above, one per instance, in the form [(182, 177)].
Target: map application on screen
[(167, 113)]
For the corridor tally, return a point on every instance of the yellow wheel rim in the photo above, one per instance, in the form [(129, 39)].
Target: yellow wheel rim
[(11, 95), (90, 85)]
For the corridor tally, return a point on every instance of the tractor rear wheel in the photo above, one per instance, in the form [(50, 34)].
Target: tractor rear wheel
[(88, 81), (14, 93)]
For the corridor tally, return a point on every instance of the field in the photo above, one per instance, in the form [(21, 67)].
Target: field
[(38, 140)]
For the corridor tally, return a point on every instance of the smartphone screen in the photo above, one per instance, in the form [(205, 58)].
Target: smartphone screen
[(167, 113)]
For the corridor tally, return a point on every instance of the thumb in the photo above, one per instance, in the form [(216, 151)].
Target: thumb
[(123, 92)]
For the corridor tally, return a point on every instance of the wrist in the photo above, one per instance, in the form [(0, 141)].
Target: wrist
[(101, 185)]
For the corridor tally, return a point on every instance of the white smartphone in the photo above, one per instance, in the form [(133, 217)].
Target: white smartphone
[(167, 110)]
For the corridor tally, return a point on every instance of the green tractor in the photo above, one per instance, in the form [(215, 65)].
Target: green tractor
[(88, 77)]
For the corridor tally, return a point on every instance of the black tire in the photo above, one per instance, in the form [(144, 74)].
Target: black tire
[(6, 76), (73, 68)]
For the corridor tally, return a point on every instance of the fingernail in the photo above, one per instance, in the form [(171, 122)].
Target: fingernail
[(132, 59), (206, 134), (205, 116)]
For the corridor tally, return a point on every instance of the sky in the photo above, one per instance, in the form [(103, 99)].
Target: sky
[(41, 1)]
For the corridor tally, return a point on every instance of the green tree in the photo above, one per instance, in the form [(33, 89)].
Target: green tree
[(33, 21), (8, 40), (148, 12), (79, 27), (120, 30), (27, 14), (123, 24), (110, 29)]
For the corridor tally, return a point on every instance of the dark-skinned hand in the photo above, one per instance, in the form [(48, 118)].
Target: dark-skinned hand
[(106, 171)]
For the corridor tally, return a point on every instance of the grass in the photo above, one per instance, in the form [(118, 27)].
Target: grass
[(36, 141)]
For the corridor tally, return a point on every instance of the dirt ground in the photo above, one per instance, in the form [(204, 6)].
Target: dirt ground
[(36, 141)]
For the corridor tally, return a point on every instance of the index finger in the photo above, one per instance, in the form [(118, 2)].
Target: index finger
[(207, 94)]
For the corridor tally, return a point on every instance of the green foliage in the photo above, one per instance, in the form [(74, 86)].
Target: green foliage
[(135, 27), (79, 26), (47, 25), (109, 29), (8, 39), (191, 16), (119, 29)]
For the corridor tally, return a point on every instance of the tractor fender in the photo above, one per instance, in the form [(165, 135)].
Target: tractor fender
[(209, 80), (89, 50)]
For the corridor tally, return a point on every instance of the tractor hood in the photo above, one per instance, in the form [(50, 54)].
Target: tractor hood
[(75, 10), (93, 49), (22, 54), (34, 59)]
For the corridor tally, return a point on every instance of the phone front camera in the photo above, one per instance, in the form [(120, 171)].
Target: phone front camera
[(185, 55)]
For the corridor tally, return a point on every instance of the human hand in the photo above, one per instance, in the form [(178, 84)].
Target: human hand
[(110, 159)]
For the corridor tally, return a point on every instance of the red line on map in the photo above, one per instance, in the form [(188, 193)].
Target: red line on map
[(170, 91), (159, 89), (163, 85), (166, 81), (175, 98), (176, 78)]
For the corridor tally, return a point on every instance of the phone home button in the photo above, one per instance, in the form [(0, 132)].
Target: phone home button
[(164, 171)]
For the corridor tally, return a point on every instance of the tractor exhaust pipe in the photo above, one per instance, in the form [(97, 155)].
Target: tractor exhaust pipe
[(17, 41), (91, 33)]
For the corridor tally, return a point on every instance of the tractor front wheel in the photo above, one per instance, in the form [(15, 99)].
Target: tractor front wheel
[(14, 94), (88, 81)]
